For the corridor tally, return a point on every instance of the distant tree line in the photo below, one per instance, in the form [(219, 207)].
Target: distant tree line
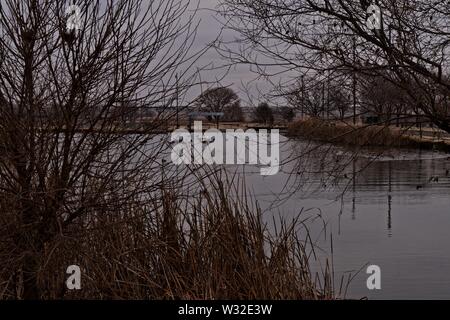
[(226, 101)]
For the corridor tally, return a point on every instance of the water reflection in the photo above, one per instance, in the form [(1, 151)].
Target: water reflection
[(385, 208), (389, 209)]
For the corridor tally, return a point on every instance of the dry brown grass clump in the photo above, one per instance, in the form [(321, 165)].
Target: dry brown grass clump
[(207, 245), (346, 134)]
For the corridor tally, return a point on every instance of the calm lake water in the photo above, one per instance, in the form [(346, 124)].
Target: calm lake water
[(395, 214)]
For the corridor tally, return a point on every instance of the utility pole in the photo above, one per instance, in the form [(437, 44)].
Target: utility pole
[(303, 96), (354, 80), (323, 100), (328, 95), (177, 103)]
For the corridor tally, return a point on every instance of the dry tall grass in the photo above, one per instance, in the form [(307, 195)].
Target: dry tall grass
[(213, 245), (346, 134)]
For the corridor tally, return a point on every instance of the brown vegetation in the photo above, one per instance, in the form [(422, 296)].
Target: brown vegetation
[(362, 136), (210, 246)]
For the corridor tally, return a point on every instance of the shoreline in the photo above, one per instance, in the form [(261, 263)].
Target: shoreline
[(362, 136)]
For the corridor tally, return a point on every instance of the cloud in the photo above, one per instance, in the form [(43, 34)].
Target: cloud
[(240, 78)]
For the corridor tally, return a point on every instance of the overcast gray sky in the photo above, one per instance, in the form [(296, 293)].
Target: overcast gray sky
[(239, 77)]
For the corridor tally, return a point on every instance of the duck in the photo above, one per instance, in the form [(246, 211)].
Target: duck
[(433, 179)]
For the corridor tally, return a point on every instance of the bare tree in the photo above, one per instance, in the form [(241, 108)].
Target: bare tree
[(406, 44), (287, 113), (234, 113), (339, 100), (221, 99), (263, 113), (384, 100), (309, 96), (64, 94)]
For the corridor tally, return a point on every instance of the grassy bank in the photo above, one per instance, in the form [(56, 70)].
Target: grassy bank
[(361, 136)]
